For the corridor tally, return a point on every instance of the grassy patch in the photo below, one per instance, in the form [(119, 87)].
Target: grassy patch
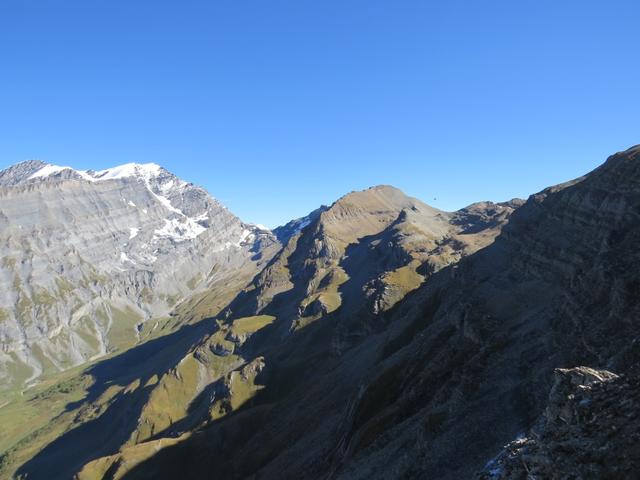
[(27, 416), (193, 282), (122, 333), (65, 287), (248, 325), (41, 296), (405, 278)]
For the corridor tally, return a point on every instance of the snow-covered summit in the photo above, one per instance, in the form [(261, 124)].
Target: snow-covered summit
[(33, 170), (144, 171)]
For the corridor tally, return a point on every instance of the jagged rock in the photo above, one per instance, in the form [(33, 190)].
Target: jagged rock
[(589, 430), (565, 384)]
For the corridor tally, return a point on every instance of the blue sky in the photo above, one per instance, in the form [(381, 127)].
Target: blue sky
[(279, 106)]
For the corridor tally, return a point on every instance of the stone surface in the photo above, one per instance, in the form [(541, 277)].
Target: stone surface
[(589, 430)]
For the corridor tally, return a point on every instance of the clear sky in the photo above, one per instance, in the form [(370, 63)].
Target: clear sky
[(279, 106)]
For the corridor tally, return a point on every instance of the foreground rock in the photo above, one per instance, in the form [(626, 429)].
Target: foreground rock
[(589, 430)]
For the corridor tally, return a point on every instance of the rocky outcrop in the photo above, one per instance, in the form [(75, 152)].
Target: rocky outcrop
[(589, 430)]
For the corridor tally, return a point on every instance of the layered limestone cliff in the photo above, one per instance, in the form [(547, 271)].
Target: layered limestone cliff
[(87, 258)]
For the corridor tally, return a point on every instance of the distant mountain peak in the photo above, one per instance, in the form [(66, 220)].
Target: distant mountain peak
[(38, 170), (132, 238), (145, 171)]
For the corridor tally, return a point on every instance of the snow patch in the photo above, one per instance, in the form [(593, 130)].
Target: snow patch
[(165, 202), (243, 236), (48, 170), (124, 258), (180, 229), (202, 217), (133, 232), (143, 170), (304, 223)]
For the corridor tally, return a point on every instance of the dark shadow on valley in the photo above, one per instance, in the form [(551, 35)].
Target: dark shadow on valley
[(289, 357), (105, 433), (208, 452), (220, 449)]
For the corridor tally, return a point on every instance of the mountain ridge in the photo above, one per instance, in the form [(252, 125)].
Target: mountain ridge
[(317, 279), (382, 339)]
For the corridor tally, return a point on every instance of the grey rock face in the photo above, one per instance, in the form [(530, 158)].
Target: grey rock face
[(589, 430), (87, 257), (290, 229)]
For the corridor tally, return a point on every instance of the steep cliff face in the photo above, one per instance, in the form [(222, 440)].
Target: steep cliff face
[(87, 258)]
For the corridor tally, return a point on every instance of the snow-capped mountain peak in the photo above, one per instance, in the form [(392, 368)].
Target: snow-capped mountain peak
[(145, 171), (132, 238), (141, 170)]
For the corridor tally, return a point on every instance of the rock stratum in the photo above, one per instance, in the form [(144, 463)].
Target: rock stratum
[(379, 338), (88, 258)]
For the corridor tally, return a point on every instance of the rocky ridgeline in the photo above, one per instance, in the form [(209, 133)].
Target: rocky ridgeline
[(473, 365), (387, 339), (363, 254)]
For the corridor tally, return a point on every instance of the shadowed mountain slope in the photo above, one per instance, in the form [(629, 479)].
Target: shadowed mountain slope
[(456, 370), (386, 339), (320, 297)]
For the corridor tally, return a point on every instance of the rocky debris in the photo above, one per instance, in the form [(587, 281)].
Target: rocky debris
[(589, 430), (482, 215)]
